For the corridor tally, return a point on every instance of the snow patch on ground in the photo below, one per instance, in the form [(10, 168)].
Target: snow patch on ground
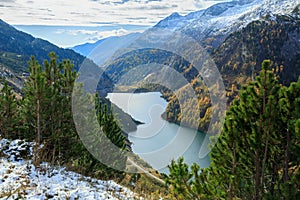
[(20, 179)]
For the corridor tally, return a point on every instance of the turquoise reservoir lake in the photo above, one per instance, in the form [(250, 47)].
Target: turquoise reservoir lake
[(158, 141)]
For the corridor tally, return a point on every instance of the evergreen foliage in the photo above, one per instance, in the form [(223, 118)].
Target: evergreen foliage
[(10, 118), (45, 115), (257, 154)]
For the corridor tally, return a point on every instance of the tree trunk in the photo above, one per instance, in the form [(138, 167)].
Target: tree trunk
[(257, 184), (39, 127), (286, 158), (38, 136)]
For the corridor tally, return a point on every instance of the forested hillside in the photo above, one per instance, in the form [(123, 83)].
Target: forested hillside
[(238, 58), (274, 37), (16, 47)]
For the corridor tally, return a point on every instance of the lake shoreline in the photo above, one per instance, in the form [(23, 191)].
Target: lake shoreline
[(157, 134), (163, 115)]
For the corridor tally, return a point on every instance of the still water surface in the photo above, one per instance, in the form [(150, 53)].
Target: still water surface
[(158, 141)]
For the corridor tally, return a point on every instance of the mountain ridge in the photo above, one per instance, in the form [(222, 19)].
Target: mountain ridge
[(18, 46), (221, 19), (101, 50), (86, 48)]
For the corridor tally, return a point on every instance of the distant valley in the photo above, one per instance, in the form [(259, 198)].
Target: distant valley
[(239, 35)]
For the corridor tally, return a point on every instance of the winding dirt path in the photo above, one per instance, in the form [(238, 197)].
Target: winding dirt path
[(145, 171)]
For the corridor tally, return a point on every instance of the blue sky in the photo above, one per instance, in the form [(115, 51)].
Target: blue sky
[(69, 36), (71, 22)]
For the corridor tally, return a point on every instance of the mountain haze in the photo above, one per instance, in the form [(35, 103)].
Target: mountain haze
[(103, 49)]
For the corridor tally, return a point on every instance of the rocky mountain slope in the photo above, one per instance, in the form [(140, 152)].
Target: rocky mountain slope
[(273, 37), (211, 26)]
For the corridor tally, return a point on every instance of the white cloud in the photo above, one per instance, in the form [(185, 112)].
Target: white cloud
[(95, 35), (78, 20), (100, 34), (91, 12)]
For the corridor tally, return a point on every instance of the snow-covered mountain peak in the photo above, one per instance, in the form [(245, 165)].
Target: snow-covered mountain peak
[(176, 21), (234, 16), (174, 15), (220, 8), (224, 18)]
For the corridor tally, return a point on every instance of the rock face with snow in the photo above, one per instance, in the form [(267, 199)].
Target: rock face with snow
[(221, 19), (20, 179)]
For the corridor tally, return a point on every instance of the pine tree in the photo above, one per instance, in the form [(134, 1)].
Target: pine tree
[(257, 154), (10, 120), (180, 179), (111, 129), (289, 106), (60, 78), (34, 100), (246, 148), (47, 108), (191, 183)]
